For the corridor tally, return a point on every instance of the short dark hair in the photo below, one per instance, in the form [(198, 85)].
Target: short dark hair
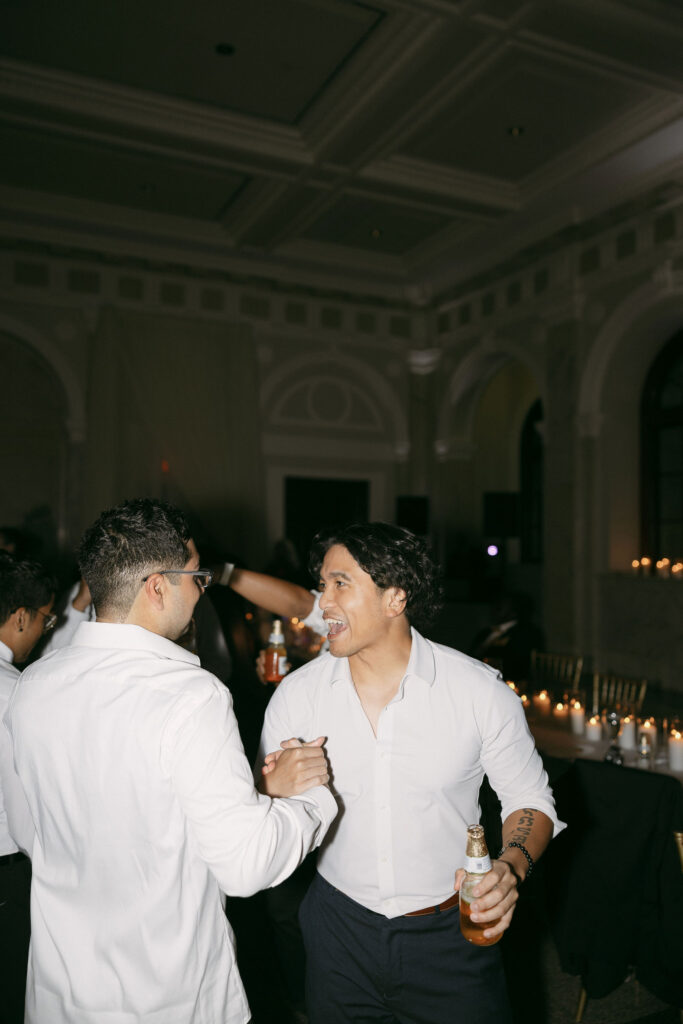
[(23, 584), (393, 557), (126, 544)]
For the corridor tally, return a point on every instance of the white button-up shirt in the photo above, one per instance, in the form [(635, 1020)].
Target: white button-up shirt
[(144, 808), (408, 794), (8, 678)]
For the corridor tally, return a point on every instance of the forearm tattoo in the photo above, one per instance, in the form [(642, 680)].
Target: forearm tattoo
[(524, 825)]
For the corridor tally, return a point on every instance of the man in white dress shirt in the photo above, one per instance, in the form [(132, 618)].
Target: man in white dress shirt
[(142, 800), (26, 595), (412, 727)]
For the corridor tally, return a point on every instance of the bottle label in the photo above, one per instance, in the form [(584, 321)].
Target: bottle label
[(477, 865), (282, 666)]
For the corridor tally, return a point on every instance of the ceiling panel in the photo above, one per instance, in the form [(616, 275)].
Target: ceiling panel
[(404, 150), (284, 52), (552, 106), (653, 48), (373, 225), (51, 164), (453, 45)]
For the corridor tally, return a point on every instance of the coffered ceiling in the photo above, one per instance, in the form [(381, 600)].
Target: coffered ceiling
[(391, 147)]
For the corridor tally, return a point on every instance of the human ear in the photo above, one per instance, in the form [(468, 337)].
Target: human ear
[(395, 601), (154, 590)]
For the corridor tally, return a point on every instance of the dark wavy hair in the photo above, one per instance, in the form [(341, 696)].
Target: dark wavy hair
[(126, 544), (23, 584), (393, 557)]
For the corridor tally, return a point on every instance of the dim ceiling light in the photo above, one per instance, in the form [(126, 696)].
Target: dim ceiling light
[(376, 233), (516, 130), (225, 49)]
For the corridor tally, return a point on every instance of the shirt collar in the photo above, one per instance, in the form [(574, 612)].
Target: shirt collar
[(127, 637), (6, 653), (420, 664)]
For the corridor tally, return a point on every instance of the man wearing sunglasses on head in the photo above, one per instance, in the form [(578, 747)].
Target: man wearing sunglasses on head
[(26, 596), (142, 799)]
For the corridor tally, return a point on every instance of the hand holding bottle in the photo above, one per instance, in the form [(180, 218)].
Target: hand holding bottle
[(488, 892)]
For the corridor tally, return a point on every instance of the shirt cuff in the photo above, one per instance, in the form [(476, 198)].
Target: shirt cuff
[(323, 799)]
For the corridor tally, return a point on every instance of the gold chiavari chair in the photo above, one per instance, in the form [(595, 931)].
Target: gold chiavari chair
[(556, 671), (612, 692)]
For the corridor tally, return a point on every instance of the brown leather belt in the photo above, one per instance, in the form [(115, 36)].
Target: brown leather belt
[(446, 905)]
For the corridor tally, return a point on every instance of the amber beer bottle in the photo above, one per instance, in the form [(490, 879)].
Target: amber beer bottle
[(276, 665), (477, 864)]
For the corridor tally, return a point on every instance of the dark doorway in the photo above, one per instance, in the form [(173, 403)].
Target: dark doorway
[(312, 503)]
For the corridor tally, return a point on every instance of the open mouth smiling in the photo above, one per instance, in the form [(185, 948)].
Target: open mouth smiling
[(334, 627)]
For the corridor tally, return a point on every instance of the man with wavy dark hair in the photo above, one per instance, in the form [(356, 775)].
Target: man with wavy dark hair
[(142, 801), (412, 727)]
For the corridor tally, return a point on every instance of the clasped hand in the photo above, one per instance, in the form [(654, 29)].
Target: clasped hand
[(495, 897), (294, 768)]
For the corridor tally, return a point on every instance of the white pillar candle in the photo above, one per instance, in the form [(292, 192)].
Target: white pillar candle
[(593, 729), (635, 567), (577, 717), (676, 751), (646, 565), (627, 734), (648, 728), (663, 567)]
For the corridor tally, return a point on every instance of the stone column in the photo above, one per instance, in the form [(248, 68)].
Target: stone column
[(562, 583), (422, 417)]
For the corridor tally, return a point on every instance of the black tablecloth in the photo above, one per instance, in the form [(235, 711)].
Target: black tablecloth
[(614, 880)]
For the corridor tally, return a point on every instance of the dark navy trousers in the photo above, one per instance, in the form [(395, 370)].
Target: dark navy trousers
[(363, 967)]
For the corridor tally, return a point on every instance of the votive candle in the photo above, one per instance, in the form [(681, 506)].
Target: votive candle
[(593, 729), (648, 728), (577, 717), (627, 734), (542, 702), (560, 711)]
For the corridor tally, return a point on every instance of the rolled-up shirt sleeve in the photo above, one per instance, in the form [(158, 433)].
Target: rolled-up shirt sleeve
[(509, 756), (249, 841)]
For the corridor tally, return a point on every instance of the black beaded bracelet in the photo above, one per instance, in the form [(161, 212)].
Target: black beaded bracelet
[(519, 846)]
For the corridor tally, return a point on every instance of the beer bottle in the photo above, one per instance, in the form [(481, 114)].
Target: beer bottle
[(276, 665), (477, 864)]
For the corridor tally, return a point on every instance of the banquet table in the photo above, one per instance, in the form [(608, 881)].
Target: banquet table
[(556, 740), (613, 878)]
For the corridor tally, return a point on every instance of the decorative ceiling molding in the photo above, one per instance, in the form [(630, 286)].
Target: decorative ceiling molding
[(390, 124)]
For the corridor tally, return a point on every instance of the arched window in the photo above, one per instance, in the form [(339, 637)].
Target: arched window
[(531, 485), (662, 454)]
